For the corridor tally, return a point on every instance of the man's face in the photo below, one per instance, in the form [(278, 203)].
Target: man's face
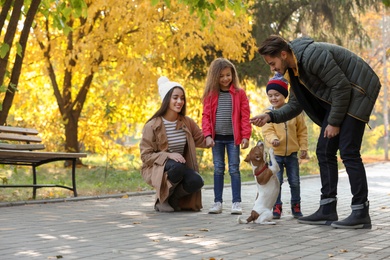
[(277, 64)]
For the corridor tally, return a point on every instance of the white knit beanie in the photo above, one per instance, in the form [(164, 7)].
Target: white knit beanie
[(164, 86)]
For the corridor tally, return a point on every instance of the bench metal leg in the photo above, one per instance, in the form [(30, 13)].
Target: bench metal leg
[(74, 161), (34, 181)]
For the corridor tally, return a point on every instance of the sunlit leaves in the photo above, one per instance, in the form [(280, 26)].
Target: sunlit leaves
[(136, 42), (4, 49), (205, 10), (60, 12)]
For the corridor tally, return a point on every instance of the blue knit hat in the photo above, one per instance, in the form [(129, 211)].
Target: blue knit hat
[(278, 83)]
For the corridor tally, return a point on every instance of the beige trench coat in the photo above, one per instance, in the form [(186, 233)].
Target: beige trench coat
[(154, 154)]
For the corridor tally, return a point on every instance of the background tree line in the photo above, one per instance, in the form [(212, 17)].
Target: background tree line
[(84, 72)]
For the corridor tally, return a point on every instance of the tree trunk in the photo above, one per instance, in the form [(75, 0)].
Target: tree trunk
[(4, 11), (16, 70), (71, 133), (8, 40)]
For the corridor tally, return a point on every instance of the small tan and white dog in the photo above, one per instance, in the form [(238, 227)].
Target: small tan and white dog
[(267, 183)]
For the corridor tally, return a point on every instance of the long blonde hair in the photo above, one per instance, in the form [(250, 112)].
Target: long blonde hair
[(213, 75)]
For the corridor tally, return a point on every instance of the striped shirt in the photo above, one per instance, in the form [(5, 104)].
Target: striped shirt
[(176, 137), (223, 124)]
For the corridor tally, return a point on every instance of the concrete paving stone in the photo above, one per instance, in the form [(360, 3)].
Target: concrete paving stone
[(129, 228)]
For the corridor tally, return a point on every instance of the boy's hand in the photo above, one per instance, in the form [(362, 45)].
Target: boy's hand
[(303, 155), (275, 143)]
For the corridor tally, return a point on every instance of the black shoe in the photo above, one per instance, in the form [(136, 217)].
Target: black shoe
[(325, 215), (359, 218), (296, 210)]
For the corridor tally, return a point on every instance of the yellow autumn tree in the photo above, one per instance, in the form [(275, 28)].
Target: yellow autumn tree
[(378, 30), (96, 86)]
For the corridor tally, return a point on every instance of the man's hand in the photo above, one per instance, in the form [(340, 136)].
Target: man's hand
[(260, 120), (331, 131)]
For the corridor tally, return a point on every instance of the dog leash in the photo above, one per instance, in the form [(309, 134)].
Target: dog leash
[(262, 170)]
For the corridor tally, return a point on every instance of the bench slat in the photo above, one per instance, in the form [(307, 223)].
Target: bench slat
[(22, 146), (18, 130), (23, 155), (16, 137)]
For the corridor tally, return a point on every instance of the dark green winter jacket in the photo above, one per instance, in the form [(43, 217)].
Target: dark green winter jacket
[(331, 75)]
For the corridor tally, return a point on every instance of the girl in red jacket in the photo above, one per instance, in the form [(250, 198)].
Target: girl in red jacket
[(226, 126)]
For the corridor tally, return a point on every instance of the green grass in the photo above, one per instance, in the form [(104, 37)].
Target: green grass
[(96, 178)]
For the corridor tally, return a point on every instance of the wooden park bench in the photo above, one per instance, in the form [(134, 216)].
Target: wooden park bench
[(19, 146)]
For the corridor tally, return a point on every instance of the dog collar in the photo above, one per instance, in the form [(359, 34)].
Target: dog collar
[(262, 170)]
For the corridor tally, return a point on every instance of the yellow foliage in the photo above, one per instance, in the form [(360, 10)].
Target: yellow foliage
[(126, 46)]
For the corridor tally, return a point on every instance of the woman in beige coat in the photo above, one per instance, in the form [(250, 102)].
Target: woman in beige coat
[(168, 152)]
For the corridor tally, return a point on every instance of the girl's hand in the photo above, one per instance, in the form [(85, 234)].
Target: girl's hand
[(209, 141), (244, 143), (177, 157)]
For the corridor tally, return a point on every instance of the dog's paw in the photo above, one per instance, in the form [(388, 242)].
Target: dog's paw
[(241, 221)]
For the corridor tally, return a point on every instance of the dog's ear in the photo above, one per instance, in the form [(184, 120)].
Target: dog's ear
[(247, 158)]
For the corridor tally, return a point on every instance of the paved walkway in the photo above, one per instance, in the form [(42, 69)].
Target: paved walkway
[(129, 228)]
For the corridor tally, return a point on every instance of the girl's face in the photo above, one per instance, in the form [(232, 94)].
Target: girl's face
[(225, 78), (276, 99), (177, 101)]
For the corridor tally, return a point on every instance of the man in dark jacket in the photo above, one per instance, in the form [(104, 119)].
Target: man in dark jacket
[(337, 90)]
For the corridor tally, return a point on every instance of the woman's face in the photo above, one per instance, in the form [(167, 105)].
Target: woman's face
[(177, 100)]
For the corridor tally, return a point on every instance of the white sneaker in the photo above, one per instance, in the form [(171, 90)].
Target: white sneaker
[(216, 208), (236, 208)]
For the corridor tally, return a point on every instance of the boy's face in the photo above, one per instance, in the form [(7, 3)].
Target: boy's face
[(276, 99)]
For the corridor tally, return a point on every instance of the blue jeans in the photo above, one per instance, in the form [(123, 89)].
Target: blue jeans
[(233, 153), (290, 163)]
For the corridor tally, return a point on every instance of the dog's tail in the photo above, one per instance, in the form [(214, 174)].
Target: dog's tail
[(241, 220)]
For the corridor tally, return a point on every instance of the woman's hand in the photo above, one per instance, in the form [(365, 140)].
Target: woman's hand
[(177, 157), (209, 141)]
